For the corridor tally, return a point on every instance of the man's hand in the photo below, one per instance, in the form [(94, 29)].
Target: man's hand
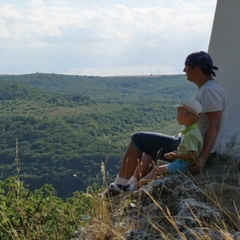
[(198, 166)]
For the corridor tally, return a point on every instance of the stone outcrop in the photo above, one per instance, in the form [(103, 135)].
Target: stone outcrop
[(204, 206)]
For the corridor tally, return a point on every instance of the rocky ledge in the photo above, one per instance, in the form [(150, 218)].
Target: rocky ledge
[(204, 206)]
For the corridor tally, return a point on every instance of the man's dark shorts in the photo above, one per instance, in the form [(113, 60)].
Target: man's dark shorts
[(155, 144)]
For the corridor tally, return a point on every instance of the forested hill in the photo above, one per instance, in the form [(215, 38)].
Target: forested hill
[(109, 89), (67, 125)]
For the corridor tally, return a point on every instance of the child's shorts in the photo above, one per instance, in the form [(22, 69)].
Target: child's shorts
[(178, 166)]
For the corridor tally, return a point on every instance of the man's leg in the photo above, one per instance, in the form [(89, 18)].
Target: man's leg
[(131, 159), (150, 144)]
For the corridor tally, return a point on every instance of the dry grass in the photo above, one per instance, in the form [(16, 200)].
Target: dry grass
[(115, 218)]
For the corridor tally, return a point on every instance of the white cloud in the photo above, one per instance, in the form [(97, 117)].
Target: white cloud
[(90, 37)]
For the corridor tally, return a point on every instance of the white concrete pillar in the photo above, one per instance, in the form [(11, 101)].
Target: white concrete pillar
[(224, 48)]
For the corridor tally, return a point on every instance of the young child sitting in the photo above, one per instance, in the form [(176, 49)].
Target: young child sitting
[(188, 112)]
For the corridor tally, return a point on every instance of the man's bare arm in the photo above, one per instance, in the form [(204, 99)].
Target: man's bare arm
[(214, 120)]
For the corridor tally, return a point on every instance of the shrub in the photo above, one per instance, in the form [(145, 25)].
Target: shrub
[(39, 214)]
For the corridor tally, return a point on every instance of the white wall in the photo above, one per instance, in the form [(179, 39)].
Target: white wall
[(224, 48)]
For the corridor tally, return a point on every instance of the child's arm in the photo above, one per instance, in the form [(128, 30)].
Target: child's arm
[(190, 156)]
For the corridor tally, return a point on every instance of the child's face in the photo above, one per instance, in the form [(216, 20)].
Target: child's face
[(181, 115)]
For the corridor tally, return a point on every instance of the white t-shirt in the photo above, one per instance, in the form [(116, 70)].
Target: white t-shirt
[(212, 98)]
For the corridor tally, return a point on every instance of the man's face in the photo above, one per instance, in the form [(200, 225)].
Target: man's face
[(189, 70)]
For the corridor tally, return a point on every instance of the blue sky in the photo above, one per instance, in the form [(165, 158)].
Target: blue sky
[(102, 38)]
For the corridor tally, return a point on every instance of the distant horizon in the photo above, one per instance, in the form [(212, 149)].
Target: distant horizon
[(146, 75)]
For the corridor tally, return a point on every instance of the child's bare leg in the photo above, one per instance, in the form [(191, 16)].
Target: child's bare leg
[(158, 170), (142, 182), (143, 167), (150, 175), (161, 169)]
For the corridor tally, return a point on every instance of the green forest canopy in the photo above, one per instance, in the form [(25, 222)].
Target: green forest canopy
[(67, 125)]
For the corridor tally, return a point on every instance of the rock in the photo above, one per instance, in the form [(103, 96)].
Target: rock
[(204, 206), (196, 214)]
